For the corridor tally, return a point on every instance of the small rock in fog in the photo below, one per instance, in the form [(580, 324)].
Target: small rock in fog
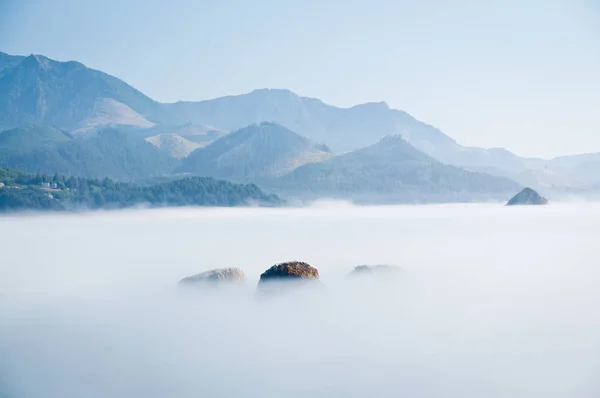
[(215, 276), (527, 197)]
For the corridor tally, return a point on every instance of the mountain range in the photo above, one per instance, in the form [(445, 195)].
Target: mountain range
[(390, 170), (74, 120)]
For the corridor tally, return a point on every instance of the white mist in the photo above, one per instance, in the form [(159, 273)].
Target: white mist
[(496, 302)]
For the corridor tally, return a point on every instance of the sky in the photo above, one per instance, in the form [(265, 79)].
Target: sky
[(524, 75)]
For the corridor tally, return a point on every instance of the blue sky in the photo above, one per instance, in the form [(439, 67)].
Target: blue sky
[(524, 75)]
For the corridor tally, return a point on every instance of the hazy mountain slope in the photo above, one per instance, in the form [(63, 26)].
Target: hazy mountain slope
[(476, 157), (32, 137), (110, 153), (581, 170), (191, 130), (392, 170), (588, 171), (548, 178), (342, 129), (573, 161), (235, 112), (345, 129), (65, 94), (197, 133), (254, 152), (110, 112), (8, 61), (174, 145), (34, 148)]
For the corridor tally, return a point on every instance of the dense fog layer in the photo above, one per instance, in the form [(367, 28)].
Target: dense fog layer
[(495, 302)]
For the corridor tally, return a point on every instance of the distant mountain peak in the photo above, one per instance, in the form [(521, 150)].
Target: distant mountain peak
[(393, 147), (174, 145), (41, 62), (37, 89), (37, 61), (278, 94), (273, 91), (392, 138), (260, 150), (40, 58), (394, 141), (381, 105)]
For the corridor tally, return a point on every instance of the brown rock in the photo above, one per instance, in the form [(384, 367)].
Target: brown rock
[(293, 270), (286, 277)]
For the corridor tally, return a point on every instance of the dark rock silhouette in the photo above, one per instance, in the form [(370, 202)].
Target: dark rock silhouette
[(215, 276), (282, 275), (527, 197)]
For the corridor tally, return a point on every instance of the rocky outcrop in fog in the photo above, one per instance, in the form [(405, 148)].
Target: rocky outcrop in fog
[(215, 276), (376, 270), (294, 270), (527, 197), (282, 275)]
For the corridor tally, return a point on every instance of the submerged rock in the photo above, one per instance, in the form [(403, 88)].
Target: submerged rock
[(292, 273), (527, 197), (376, 270), (214, 276)]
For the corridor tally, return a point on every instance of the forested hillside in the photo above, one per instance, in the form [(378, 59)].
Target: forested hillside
[(109, 152), (25, 191)]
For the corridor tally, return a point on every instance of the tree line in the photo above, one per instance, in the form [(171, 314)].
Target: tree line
[(24, 191)]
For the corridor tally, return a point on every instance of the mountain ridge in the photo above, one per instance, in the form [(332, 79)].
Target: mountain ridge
[(391, 170), (7, 60), (309, 116), (38, 90)]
